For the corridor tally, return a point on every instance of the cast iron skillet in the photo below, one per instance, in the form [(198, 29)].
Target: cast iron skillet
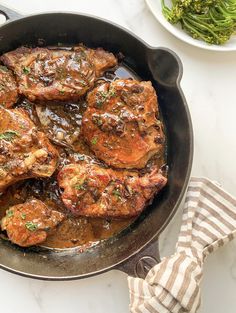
[(134, 250)]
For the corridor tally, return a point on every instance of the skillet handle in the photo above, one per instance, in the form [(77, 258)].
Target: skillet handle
[(140, 264), (10, 14), (165, 66)]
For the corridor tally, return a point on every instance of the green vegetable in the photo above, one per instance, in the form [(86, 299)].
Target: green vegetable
[(94, 140), (23, 216), (9, 135), (10, 213), (26, 70), (31, 226), (213, 21)]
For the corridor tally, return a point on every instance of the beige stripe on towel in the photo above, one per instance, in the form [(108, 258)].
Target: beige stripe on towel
[(173, 286)]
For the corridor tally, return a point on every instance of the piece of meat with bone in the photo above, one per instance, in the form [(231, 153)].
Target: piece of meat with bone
[(91, 190), (25, 152), (28, 224), (8, 87), (121, 124), (57, 74)]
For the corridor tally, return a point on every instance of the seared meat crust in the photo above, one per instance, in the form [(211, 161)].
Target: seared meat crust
[(47, 74), (27, 224), (24, 151), (8, 88), (90, 190), (120, 124)]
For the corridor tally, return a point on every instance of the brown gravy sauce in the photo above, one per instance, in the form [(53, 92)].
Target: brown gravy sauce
[(61, 122)]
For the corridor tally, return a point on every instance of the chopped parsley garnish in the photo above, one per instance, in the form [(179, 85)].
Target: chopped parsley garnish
[(9, 135), (2, 172), (77, 58), (116, 192), (99, 103), (26, 105), (31, 226), (10, 213), (83, 83), (94, 140), (112, 93), (6, 167), (2, 87), (26, 70), (80, 187), (3, 68), (97, 120), (23, 216), (102, 96), (62, 91)]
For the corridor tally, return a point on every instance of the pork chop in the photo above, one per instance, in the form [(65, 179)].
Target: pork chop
[(8, 88), (25, 152), (121, 124), (57, 74), (28, 224), (91, 190)]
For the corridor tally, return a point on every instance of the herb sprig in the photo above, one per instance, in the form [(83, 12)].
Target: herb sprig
[(9, 135), (31, 226), (116, 192), (94, 140), (80, 187), (26, 70), (10, 213)]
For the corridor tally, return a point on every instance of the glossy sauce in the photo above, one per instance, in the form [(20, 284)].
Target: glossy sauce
[(61, 122)]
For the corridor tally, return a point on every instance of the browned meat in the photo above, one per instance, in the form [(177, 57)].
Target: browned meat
[(8, 88), (24, 151), (91, 190), (47, 74), (27, 224), (121, 125)]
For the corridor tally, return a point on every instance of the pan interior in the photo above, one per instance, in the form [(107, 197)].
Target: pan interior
[(149, 64)]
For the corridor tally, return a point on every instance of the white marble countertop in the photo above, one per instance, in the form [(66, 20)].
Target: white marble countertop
[(209, 83)]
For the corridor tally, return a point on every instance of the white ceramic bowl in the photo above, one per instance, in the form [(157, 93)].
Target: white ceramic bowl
[(176, 30)]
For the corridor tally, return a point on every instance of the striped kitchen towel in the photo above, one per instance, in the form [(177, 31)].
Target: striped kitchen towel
[(209, 222)]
